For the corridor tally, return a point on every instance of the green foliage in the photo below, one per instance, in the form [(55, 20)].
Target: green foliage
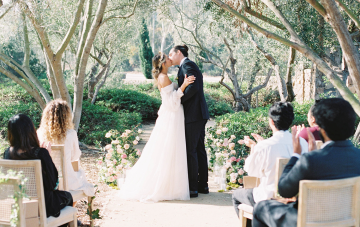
[(17, 54), (146, 53), (217, 108), (97, 120), (130, 100)]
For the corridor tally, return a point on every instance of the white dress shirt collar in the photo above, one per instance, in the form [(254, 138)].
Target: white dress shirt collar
[(325, 144), (182, 61)]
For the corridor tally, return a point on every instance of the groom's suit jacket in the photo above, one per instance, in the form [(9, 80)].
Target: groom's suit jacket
[(195, 107)]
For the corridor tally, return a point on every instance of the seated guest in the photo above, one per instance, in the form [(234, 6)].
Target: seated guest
[(337, 159), (56, 127), (24, 145), (314, 128), (261, 162)]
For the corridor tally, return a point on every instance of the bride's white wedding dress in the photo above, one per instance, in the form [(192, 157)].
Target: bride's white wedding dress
[(161, 171)]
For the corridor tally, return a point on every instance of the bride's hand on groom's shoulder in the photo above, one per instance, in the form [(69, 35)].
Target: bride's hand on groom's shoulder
[(189, 80)]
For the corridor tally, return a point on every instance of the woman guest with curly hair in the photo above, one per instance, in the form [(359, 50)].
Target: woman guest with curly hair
[(56, 127)]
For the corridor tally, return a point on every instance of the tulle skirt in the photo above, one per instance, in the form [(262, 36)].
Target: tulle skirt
[(161, 171)]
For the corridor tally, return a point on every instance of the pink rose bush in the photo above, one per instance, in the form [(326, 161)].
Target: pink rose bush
[(224, 151), (120, 155)]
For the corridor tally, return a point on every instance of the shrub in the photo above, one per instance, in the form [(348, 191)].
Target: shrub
[(130, 100), (221, 140), (97, 120), (217, 108)]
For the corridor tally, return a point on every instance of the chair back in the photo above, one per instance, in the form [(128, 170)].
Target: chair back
[(280, 166), (318, 143), (8, 189), (251, 182), (34, 186), (58, 156), (329, 202)]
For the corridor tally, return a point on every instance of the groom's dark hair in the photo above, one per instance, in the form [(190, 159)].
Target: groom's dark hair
[(282, 113), (183, 49)]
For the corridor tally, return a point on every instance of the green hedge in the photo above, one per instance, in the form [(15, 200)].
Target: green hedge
[(129, 100), (96, 121)]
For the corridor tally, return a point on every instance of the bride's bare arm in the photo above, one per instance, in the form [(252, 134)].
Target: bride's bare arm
[(187, 81), (163, 81)]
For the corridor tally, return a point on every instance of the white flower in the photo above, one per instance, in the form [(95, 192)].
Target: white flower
[(137, 138), (233, 137), (126, 146), (119, 167), (110, 150), (107, 147), (115, 142), (231, 146), (111, 179), (135, 142), (124, 135), (108, 135), (120, 151), (225, 129), (218, 144), (127, 131), (218, 155), (108, 155), (218, 131), (139, 131), (232, 152)]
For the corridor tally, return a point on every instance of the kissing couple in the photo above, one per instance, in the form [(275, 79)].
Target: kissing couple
[(173, 164)]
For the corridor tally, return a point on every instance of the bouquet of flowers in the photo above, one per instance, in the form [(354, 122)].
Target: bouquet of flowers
[(120, 155)]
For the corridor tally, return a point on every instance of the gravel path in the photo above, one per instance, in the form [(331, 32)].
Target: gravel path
[(212, 210)]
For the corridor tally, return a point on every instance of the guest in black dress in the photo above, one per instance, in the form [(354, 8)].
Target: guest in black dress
[(24, 145)]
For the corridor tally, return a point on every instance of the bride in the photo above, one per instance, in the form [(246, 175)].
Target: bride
[(161, 172)]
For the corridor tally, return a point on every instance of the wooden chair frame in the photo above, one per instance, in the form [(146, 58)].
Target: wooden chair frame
[(306, 185), (67, 215), (15, 182)]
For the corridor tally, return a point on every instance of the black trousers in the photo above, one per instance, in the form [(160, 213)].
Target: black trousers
[(242, 196), (273, 213), (196, 155)]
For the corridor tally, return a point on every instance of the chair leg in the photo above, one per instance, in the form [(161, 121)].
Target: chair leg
[(243, 219), (73, 223)]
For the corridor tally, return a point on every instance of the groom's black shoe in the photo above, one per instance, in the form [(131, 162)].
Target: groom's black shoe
[(204, 190), (193, 194)]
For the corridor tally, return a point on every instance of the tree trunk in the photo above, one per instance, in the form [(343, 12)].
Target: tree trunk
[(95, 80), (289, 87), (33, 92), (92, 77), (102, 83), (80, 77), (351, 55)]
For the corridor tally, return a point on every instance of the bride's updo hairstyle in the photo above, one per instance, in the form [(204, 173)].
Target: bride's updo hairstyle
[(157, 62), (183, 49)]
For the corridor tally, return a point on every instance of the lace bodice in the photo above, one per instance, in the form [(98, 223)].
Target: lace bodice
[(171, 97)]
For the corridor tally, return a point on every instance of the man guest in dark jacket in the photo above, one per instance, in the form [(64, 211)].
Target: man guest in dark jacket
[(337, 159), (196, 115)]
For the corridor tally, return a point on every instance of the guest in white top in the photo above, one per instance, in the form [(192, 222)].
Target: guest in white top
[(57, 128), (261, 162)]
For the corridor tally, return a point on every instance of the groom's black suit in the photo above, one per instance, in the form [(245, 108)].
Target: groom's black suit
[(196, 115)]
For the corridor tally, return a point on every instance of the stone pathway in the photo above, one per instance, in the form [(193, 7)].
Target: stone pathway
[(212, 210)]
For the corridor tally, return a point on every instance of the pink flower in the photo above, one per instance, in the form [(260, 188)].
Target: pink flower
[(238, 160), (100, 162), (240, 141), (218, 131), (241, 172), (232, 159), (218, 144), (233, 137), (123, 156), (231, 146), (135, 142), (240, 181), (127, 131), (226, 142), (138, 153), (225, 129), (119, 167), (126, 146), (110, 150), (115, 177), (108, 135), (108, 155), (124, 135), (120, 151), (233, 181), (107, 147), (114, 161), (115, 142), (232, 152), (111, 179)]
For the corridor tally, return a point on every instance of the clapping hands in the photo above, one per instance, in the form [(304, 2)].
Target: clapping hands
[(46, 146), (249, 142), (295, 130)]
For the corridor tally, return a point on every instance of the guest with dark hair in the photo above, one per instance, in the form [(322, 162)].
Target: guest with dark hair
[(262, 159), (314, 128), (24, 145), (337, 159)]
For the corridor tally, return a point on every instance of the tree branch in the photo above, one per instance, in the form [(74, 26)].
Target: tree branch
[(261, 86), (349, 13), (318, 7), (97, 59), (4, 9), (72, 28), (122, 17)]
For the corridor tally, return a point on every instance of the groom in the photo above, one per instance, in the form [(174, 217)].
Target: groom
[(196, 115)]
